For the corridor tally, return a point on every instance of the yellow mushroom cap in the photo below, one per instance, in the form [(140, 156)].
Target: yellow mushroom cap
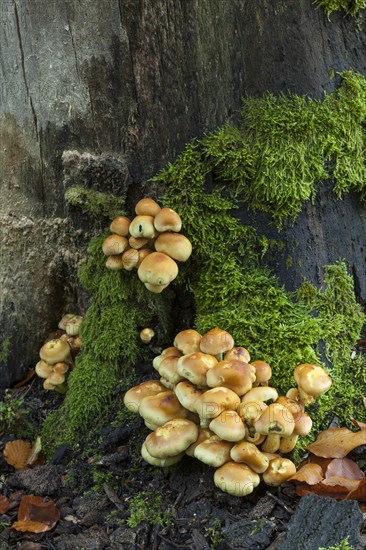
[(250, 411), (188, 341), (61, 367), (213, 451), (212, 402), (56, 379), (114, 262), (167, 352), (293, 406), (146, 335), (135, 395), (114, 244), (147, 207), (249, 454), (276, 419), (167, 220), (216, 341), (142, 255), (120, 226), (203, 434), (194, 367), (160, 462), (279, 470), (158, 409), (168, 369), (239, 354), (157, 269), (175, 245), (312, 379), (138, 242), (260, 393), (263, 371), (235, 375), (73, 325), (47, 385), (64, 320), (174, 437), (54, 351), (43, 370), (228, 426), (130, 259), (187, 395), (236, 479), (143, 226)]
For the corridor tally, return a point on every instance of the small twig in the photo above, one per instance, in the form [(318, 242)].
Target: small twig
[(113, 497), (281, 503)]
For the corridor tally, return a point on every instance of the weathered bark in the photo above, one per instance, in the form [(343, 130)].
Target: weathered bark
[(138, 79)]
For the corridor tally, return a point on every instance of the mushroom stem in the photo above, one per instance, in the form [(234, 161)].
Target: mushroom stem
[(304, 397), (271, 444), (288, 444)]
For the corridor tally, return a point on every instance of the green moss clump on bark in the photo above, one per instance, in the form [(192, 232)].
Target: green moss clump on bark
[(352, 7), (120, 306), (95, 203)]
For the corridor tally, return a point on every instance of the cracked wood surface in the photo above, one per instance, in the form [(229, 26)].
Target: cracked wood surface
[(136, 79)]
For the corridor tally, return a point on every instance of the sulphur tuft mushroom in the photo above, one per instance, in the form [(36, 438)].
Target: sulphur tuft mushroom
[(143, 226), (167, 220), (175, 245), (114, 244), (216, 342), (120, 226), (54, 351), (312, 381), (173, 438), (146, 335), (236, 479), (157, 269), (147, 207), (188, 341)]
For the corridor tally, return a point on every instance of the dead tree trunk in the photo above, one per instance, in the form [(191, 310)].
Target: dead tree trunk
[(137, 79)]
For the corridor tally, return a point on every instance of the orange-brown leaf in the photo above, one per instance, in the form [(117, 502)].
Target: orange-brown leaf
[(337, 442), (343, 482), (344, 467), (338, 492), (359, 492), (309, 473), (358, 424), (30, 374), (31, 526), (36, 515), (17, 452), (4, 504)]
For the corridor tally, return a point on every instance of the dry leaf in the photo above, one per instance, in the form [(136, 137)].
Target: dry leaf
[(337, 442), (344, 467), (332, 489), (17, 452), (341, 482), (309, 473), (35, 515), (4, 504), (323, 462), (359, 493)]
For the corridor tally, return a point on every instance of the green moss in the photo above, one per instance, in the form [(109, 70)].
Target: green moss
[(147, 507), (119, 307), (352, 7), (5, 350), (98, 205), (343, 545)]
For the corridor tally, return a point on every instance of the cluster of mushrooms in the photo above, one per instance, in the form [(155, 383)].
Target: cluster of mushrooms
[(150, 243), (58, 352), (213, 404)]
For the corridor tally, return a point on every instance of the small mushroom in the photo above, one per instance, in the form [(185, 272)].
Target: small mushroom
[(114, 262), (120, 226), (216, 342), (249, 454), (212, 402), (188, 341), (160, 462), (187, 395), (43, 370), (236, 479), (167, 220), (143, 226), (158, 409), (147, 207), (55, 351), (263, 373), (235, 375), (175, 245), (279, 470), (228, 426), (194, 367), (260, 393), (114, 244), (130, 259), (213, 451), (168, 369), (312, 381), (157, 269), (173, 438), (73, 325), (146, 335), (203, 434), (135, 395), (238, 354), (275, 419)]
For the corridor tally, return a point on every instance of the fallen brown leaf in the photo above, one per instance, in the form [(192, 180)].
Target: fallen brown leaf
[(17, 452), (359, 493), (35, 515), (358, 424), (4, 504), (336, 442), (309, 473), (344, 467)]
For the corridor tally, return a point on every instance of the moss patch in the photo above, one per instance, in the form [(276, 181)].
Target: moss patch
[(95, 203), (273, 160), (352, 7)]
